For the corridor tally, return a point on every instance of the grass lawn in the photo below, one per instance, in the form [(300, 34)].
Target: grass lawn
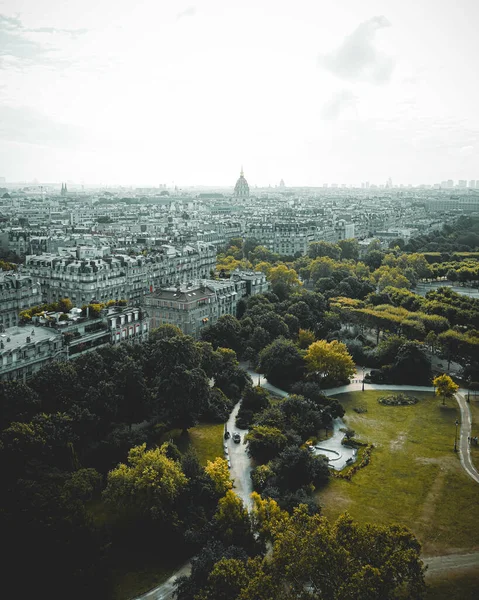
[(414, 477), (206, 439), (133, 582), (455, 586)]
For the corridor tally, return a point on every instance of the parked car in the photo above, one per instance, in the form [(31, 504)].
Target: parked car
[(236, 438)]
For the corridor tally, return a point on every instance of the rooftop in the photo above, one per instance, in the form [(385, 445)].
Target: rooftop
[(15, 337)]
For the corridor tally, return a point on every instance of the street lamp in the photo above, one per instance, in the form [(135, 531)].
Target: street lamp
[(455, 437), (363, 378)]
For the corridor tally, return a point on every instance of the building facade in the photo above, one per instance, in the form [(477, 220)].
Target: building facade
[(121, 276), (17, 292), (191, 307), (25, 350)]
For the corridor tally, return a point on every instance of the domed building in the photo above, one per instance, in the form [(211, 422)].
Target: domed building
[(241, 187)]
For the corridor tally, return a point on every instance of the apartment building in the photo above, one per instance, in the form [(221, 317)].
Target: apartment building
[(256, 282), (25, 350), (17, 292), (193, 306), (120, 276)]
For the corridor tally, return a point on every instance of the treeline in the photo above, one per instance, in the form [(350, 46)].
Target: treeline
[(70, 516), (461, 235)]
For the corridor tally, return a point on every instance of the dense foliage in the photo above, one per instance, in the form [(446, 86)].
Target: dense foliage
[(84, 437)]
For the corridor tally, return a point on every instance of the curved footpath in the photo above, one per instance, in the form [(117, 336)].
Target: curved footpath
[(240, 469)]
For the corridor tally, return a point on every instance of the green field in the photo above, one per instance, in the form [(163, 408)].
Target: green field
[(205, 438), (457, 586), (414, 477)]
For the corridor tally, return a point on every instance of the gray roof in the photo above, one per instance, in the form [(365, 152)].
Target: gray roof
[(18, 336)]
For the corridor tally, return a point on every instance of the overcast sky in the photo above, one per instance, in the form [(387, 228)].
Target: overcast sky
[(311, 91)]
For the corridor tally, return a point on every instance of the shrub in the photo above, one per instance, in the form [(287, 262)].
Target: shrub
[(398, 400)]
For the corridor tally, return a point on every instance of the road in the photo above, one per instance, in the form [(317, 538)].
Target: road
[(241, 469), (166, 590)]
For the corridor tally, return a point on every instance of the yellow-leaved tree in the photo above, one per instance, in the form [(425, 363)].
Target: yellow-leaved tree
[(445, 387), (330, 359)]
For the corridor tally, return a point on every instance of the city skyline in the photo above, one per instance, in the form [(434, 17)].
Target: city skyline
[(183, 93)]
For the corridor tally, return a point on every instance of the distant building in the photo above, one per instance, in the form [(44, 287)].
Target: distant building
[(256, 282), (241, 187), (120, 276)]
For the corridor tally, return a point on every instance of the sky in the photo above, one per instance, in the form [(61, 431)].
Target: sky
[(175, 92)]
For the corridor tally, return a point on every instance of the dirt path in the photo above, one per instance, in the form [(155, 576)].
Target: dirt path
[(440, 565)]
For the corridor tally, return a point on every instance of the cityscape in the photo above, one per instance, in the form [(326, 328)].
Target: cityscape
[(239, 300)]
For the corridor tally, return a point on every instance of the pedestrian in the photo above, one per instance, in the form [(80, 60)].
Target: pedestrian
[(468, 439)]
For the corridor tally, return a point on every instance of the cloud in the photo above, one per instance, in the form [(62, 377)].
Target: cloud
[(190, 11), (466, 150), (357, 58), (28, 126), (341, 101), (17, 43)]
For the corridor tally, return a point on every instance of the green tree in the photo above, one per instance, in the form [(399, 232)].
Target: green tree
[(18, 402), (445, 387), (218, 471), (282, 276), (349, 248), (312, 558), (147, 486), (281, 362), (330, 360), (324, 249), (305, 338), (182, 396), (225, 333), (264, 443)]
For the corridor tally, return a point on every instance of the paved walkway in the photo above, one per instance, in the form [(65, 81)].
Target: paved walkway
[(239, 461), (465, 433)]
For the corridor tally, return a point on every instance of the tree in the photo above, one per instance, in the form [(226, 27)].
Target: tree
[(182, 396), (225, 333), (303, 416), (18, 402), (233, 522), (305, 338), (147, 486), (164, 354), (296, 467), (282, 276), (264, 443), (445, 387), (218, 471), (411, 365), (330, 360), (324, 249), (281, 362), (134, 398), (349, 248), (313, 558), (57, 386)]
